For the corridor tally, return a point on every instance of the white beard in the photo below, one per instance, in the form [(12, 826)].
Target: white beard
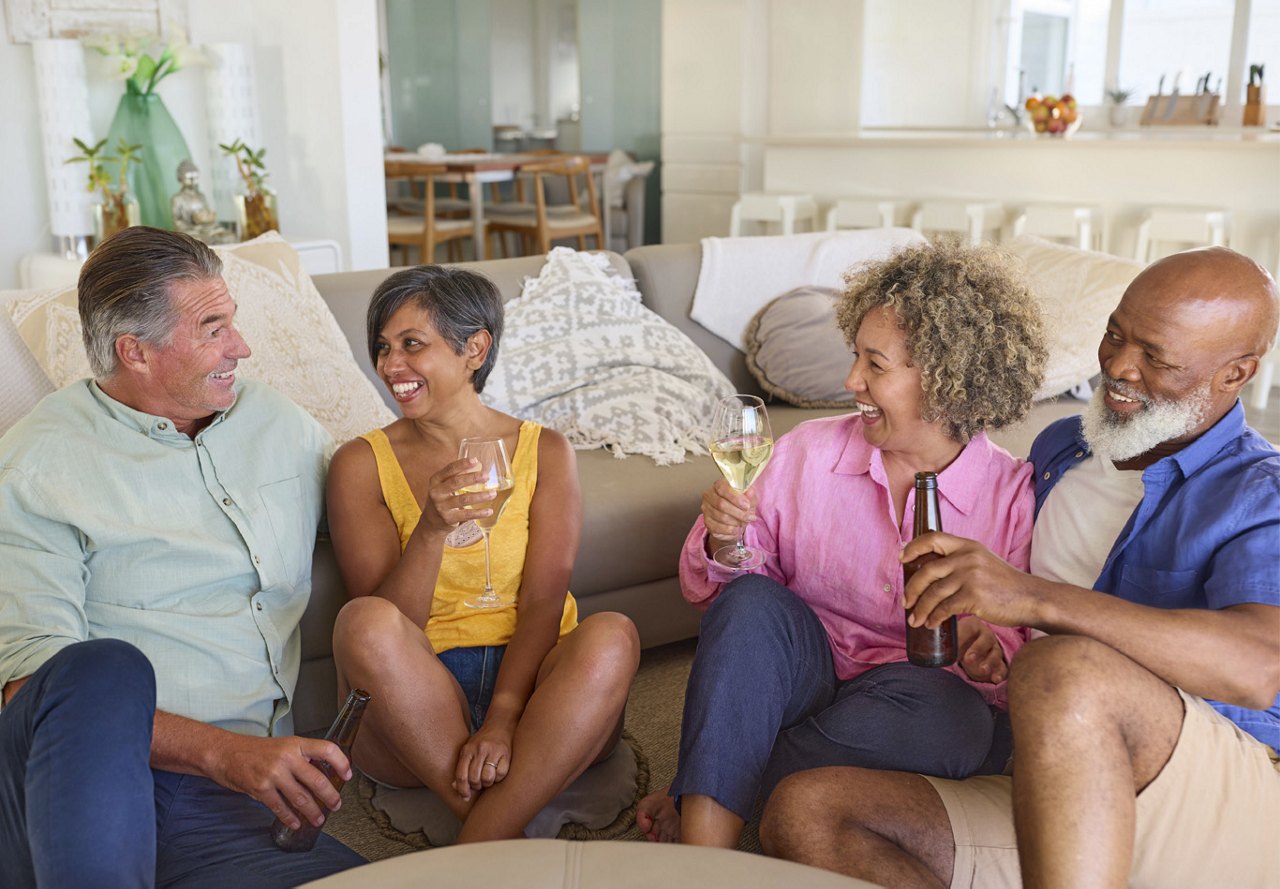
[(1116, 438)]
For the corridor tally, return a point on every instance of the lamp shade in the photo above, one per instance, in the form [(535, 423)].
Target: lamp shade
[(232, 102), (63, 100)]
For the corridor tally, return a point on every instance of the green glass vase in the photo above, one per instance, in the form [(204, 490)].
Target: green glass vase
[(142, 119)]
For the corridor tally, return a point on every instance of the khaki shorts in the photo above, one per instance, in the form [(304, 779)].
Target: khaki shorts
[(1186, 833)]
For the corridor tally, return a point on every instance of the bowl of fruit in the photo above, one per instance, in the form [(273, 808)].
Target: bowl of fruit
[(1052, 116)]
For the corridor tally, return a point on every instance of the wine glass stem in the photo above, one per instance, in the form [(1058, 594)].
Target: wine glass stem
[(740, 548), (488, 576)]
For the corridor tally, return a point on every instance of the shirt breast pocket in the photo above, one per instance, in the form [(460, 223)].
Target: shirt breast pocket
[(292, 525), (1162, 587)]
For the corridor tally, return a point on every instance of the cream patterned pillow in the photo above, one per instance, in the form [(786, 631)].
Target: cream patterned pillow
[(580, 354), (298, 347), (1078, 290)]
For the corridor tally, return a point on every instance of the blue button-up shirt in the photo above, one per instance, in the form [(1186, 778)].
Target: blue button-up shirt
[(1206, 533), (115, 524)]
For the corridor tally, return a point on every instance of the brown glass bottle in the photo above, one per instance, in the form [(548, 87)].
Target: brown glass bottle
[(343, 733), (926, 647)]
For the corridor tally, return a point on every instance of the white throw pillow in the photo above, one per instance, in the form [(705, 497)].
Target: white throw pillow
[(24, 381), (298, 347), (1078, 290), (580, 354)]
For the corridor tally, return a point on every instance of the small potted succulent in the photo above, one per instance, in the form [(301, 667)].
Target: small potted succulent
[(1118, 111), (116, 208), (256, 205)]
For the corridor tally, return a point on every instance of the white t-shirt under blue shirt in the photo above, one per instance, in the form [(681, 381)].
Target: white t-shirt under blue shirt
[(1080, 520)]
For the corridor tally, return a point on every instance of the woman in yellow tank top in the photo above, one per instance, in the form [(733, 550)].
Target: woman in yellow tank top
[(496, 710)]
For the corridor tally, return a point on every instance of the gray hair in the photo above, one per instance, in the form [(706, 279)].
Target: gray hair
[(124, 289), (459, 304)]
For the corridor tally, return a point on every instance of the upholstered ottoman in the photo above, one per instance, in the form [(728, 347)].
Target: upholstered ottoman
[(569, 864)]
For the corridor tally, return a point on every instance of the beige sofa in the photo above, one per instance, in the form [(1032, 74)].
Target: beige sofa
[(636, 514)]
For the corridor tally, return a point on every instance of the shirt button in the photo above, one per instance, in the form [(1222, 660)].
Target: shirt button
[(163, 425), (1048, 475), (888, 588), (1079, 454), (258, 605), (257, 561), (226, 501)]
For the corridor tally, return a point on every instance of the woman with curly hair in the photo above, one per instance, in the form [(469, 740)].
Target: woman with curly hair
[(804, 663)]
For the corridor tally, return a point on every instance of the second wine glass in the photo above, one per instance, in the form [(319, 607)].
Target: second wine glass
[(741, 445), (495, 472)]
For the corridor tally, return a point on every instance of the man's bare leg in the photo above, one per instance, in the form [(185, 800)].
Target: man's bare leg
[(1091, 728), (889, 828), (704, 822)]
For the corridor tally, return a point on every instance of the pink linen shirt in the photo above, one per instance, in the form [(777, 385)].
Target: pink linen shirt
[(826, 518)]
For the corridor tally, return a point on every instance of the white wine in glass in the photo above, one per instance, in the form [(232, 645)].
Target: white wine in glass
[(495, 472), (741, 445)]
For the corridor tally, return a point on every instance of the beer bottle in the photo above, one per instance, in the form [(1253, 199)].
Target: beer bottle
[(926, 647), (343, 733)]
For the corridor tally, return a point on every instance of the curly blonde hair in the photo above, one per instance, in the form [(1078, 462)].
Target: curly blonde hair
[(972, 325)]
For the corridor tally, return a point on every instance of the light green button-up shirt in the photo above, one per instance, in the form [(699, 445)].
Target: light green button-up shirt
[(198, 552)]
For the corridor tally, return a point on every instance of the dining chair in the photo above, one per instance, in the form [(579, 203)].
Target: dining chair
[(427, 229), (544, 223)]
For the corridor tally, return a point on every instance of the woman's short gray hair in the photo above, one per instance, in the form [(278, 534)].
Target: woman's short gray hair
[(459, 304), (124, 289)]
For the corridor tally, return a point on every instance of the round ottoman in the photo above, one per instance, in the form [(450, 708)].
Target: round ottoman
[(568, 864)]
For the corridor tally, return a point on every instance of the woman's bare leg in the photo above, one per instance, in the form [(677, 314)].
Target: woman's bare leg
[(573, 719), (417, 718), (657, 818)]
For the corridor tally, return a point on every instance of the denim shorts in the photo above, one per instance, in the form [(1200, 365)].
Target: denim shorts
[(476, 670)]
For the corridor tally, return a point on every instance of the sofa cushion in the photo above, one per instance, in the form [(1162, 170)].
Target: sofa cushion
[(297, 345), (24, 382), (1078, 289), (796, 352), (582, 355)]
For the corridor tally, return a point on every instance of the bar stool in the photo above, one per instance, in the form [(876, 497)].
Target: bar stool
[(1185, 226), (786, 209), (855, 213), (1071, 223), (1266, 375), (976, 220)]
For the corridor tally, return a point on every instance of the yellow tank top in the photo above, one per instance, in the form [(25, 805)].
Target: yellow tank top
[(452, 624)]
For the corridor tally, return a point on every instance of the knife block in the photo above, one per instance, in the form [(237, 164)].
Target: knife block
[(1187, 111)]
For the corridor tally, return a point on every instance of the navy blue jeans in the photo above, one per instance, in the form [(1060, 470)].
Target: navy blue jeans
[(80, 806), (763, 701)]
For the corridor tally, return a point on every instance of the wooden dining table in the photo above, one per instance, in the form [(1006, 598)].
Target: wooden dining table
[(476, 170)]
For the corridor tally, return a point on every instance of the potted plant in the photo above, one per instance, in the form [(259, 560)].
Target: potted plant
[(256, 206), (117, 209), (142, 62), (1118, 113), (1255, 100)]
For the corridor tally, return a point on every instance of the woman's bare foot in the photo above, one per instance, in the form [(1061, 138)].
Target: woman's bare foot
[(657, 817)]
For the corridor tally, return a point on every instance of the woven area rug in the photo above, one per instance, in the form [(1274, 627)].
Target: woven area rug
[(600, 805)]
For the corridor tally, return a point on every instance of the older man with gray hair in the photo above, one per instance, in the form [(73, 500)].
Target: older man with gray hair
[(156, 529)]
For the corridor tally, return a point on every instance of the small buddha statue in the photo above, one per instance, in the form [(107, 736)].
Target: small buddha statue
[(192, 214)]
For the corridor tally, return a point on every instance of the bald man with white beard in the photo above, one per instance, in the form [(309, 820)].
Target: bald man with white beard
[(1146, 724)]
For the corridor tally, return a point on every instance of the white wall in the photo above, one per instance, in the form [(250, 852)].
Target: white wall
[(918, 62), (735, 70), (511, 62), (317, 82)]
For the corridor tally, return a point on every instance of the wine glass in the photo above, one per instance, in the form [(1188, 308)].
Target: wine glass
[(495, 471), (741, 445)]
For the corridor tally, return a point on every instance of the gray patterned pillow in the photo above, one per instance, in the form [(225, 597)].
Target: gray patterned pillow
[(580, 354), (796, 352)]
